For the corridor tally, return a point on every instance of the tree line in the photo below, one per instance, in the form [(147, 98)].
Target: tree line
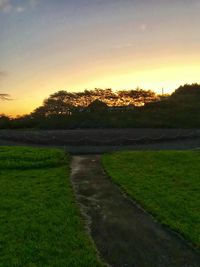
[(67, 103), (105, 108)]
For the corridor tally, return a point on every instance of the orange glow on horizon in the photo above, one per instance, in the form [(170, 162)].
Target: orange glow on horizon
[(168, 78)]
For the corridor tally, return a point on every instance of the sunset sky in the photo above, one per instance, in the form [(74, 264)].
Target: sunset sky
[(48, 45)]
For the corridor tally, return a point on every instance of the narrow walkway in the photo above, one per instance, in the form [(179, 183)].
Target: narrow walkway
[(124, 234)]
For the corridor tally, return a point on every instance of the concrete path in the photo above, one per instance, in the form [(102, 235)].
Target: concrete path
[(124, 234)]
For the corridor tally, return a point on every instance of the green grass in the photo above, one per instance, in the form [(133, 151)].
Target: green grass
[(167, 184), (40, 223)]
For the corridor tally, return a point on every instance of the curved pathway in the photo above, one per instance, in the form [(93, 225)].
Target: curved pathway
[(125, 235)]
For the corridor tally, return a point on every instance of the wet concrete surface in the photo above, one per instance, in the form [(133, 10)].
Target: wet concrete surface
[(124, 234)]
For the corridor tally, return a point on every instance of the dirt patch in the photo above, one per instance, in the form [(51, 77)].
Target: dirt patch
[(124, 234)]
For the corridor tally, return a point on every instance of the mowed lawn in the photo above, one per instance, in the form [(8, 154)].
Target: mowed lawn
[(165, 183), (40, 222)]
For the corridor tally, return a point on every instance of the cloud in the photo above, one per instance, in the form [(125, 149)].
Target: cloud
[(8, 6), (20, 9), (143, 27), (123, 45), (5, 6), (2, 74), (33, 3)]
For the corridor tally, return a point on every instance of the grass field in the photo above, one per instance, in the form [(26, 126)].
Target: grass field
[(40, 223), (165, 183)]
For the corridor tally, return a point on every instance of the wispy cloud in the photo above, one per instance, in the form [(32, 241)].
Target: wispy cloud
[(5, 6), (20, 9), (33, 3), (123, 46), (8, 6), (143, 27), (2, 74)]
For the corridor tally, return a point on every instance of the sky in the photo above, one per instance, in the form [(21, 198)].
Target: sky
[(48, 45)]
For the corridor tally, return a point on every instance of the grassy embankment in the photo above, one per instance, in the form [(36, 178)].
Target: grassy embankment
[(40, 223), (167, 184)]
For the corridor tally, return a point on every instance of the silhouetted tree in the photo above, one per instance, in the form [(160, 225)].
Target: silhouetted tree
[(136, 97), (97, 106), (187, 89), (4, 121)]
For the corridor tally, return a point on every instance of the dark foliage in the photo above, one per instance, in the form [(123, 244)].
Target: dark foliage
[(107, 109)]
